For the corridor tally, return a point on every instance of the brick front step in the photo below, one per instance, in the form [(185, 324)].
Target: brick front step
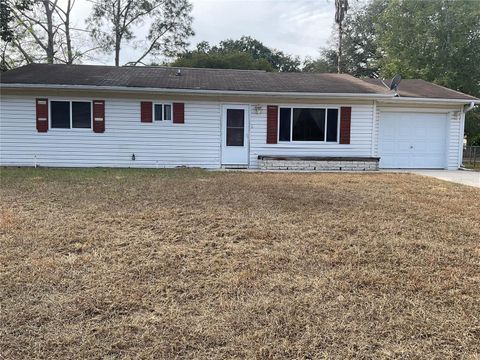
[(314, 163)]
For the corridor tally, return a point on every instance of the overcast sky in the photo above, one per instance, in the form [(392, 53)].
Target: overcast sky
[(297, 27)]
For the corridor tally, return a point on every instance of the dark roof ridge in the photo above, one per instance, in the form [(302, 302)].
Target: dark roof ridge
[(193, 68), (166, 67)]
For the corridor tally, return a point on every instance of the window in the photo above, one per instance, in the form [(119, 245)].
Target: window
[(60, 117), (235, 127), (81, 114), (308, 124), (167, 112), (71, 114), (332, 124), (285, 117), (162, 112)]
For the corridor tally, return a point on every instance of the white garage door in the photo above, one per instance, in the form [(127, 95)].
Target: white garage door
[(412, 140)]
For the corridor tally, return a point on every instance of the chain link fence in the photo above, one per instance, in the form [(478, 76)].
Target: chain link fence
[(471, 157)]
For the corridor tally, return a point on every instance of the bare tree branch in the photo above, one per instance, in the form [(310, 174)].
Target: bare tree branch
[(46, 28), (112, 24), (30, 30)]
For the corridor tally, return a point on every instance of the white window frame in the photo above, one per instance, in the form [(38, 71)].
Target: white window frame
[(326, 108), (70, 101), (163, 111)]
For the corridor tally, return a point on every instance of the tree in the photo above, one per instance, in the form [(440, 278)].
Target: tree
[(341, 8), (233, 60), (360, 50), (64, 15), (327, 63), (112, 25), (244, 53), (258, 51), (39, 31), (6, 16), (437, 41)]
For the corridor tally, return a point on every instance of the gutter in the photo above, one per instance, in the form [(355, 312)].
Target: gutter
[(431, 100)]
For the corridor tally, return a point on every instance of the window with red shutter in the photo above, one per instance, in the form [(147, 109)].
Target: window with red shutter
[(42, 115), (178, 113), (272, 124), (345, 124), (98, 116), (146, 111)]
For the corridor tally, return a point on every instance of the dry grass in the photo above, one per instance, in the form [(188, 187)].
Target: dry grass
[(193, 264)]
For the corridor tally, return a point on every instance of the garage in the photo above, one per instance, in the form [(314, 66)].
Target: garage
[(410, 140)]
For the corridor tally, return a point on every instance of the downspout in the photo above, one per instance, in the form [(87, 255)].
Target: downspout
[(469, 107)]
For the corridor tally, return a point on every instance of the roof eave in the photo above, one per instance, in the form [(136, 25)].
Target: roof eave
[(366, 96), (417, 100), (383, 98)]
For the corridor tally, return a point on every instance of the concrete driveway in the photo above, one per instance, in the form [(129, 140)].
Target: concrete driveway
[(464, 177)]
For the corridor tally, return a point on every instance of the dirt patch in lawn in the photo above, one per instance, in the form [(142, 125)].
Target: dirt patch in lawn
[(194, 264)]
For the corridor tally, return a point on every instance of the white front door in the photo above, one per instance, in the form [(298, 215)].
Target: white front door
[(412, 140), (235, 135)]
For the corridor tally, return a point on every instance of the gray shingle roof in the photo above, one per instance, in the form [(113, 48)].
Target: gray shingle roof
[(423, 89), (211, 79)]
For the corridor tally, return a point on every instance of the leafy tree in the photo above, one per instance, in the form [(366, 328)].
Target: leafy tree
[(246, 44), (6, 16), (437, 41), (233, 60), (245, 53), (361, 51), (113, 21), (325, 64)]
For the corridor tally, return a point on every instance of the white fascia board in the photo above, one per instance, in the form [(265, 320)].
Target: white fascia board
[(414, 100), (195, 91)]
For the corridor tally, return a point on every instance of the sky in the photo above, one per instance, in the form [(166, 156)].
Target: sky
[(296, 27)]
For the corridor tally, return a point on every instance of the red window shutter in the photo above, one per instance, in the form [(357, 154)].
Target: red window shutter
[(178, 113), (345, 124), (98, 116), (42, 115), (146, 111), (272, 124)]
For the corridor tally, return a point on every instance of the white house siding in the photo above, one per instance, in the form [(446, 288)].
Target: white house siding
[(455, 139), (158, 144), (360, 136), (197, 142)]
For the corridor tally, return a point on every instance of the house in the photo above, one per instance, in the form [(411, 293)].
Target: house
[(94, 116)]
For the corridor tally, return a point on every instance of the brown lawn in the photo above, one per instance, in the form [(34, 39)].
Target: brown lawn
[(219, 265)]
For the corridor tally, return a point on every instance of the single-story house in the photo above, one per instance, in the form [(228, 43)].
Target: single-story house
[(94, 116)]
